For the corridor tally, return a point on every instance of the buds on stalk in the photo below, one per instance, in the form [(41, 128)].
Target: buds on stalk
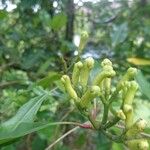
[(85, 71), (131, 87), (131, 73), (128, 111), (131, 90), (83, 41), (121, 115), (103, 79), (136, 128), (108, 72), (76, 73), (67, 83), (89, 95), (139, 144), (100, 89)]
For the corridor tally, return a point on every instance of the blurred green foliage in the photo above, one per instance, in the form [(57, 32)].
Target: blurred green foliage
[(35, 51)]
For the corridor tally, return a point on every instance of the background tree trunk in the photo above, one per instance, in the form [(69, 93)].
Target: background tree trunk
[(70, 11)]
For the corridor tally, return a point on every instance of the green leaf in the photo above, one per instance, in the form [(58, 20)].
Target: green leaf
[(143, 84), (58, 21), (22, 129), (119, 34), (15, 127), (26, 113)]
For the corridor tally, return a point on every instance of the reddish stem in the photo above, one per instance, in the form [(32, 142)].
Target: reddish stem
[(86, 126)]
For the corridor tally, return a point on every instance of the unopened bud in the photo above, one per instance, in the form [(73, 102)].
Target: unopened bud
[(143, 145), (106, 62), (108, 72), (127, 108), (90, 62), (89, 95), (67, 83), (132, 87), (121, 115), (141, 124), (136, 128), (76, 72), (131, 72), (128, 111), (85, 71), (83, 41)]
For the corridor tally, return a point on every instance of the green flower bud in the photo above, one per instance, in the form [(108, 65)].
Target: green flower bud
[(83, 41), (89, 95), (67, 83), (76, 72), (141, 124), (141, 144), (131, 90), (107, 73), (106, 83), (90, 62), (127, 108), (124, 87), (106, 62), (121, 114), (128, 111), (131, 72), (85, 71), (136, 128)]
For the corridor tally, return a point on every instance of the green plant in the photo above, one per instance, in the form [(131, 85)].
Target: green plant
[(86, 94), (91, 95)]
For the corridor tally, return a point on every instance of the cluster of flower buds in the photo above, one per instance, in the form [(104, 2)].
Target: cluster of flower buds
[(84, 93), (77, 87)]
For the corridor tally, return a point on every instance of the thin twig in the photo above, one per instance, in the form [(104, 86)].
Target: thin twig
[(66, 115), (145, 135), (10, 83), (63, 136), (58, 127)]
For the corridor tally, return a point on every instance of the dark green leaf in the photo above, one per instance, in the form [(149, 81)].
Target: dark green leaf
[(58, 21), (22, 129), (15, 127)]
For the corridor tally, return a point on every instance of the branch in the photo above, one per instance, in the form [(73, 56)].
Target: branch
[(10, 83), (63, 136)]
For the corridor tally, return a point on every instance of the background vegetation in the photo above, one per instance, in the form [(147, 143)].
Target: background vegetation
[(38, 41)]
